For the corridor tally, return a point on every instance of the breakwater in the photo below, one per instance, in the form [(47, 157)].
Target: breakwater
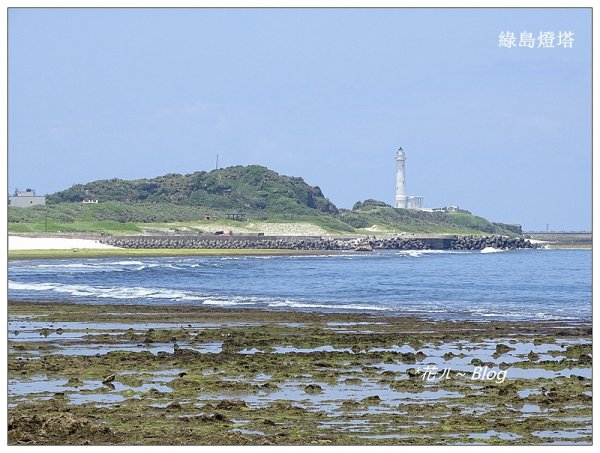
[(563, 238), (316, 243)]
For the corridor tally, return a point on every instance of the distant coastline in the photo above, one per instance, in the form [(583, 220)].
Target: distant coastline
[(563, 239)]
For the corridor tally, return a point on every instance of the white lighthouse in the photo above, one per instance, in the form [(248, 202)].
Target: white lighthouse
[(402, 201)]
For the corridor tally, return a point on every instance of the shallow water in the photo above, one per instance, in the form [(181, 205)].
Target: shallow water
[(330, 398), (491, 433), (291, 349), (106, 327), (563, 434), (41, 387), (154, 348), (327, 382)]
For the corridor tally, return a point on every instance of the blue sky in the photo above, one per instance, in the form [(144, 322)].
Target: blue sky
[(326, 94)]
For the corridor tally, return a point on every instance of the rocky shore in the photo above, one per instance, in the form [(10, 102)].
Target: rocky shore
[(316, 243), (157, 375)]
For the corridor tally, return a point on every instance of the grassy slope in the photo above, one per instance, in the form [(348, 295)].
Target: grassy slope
[(91, 226), (69, 218), (398, 220), (121, 218)]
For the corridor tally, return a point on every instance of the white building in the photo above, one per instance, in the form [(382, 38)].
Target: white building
[(402, 200), (25, 199)]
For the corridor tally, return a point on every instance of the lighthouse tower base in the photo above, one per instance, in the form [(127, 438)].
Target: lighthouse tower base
[(410, 203)]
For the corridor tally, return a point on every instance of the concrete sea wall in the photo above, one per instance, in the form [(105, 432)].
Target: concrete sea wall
[(315, 243)]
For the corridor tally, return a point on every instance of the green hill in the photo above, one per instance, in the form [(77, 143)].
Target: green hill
[(378, 212), (129, 206), (252, 188)]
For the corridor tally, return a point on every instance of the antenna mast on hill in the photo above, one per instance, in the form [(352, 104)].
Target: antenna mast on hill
[(217, 164)]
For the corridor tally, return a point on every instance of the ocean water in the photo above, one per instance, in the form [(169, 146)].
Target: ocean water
[(512, 285)]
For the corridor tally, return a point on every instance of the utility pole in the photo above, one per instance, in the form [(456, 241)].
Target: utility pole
[(547, 225), (46, 222)]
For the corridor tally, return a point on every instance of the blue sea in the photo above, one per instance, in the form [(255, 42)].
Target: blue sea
[(508, 285)]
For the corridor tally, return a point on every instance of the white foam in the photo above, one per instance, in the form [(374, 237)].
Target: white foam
[(226, 303), (31, 286), (423, 309), (413, 253), (99, 266), (70, 265), (297, 257), (419, 253), (113, 292), (125, 263), (491, 250), (292, 304)]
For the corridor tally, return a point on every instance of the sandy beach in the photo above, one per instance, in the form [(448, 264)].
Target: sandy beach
[(27, 243)]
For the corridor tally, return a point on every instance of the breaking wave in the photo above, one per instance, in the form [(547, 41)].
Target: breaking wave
[(292, 304), (491, 250), (440, 284), (106, 292)]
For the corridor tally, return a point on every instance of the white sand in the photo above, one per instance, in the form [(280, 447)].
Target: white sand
[(24, 243), (286, 229), (239, 228), (376, 229), (269, 228)]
